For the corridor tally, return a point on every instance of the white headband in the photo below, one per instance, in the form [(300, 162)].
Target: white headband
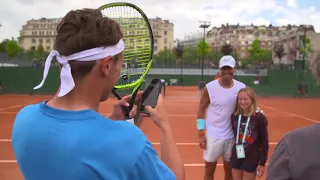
[(67, 83)]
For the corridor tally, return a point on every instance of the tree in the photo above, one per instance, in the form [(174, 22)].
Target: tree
[(214, 56), (255, 49), (267, 56), (202, 48), (3, 45), (12, 48), (165, 57), (40, 51), (190, 55), (179, 50), (226, 49), (308, 49), (279, 51)]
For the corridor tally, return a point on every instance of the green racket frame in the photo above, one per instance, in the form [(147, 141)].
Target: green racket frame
[(136, 84)]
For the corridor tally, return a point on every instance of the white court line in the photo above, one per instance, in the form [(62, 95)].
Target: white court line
[(202, 165), (171, 115), (5, 140), (10, 107), (185, 165), (157, 143), (182, 97), (8, 161), (291, 114), (197, 144)]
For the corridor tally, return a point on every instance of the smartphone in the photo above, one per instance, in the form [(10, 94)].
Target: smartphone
[(150, 95)]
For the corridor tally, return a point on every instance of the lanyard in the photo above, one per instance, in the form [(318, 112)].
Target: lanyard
[(245, 130)]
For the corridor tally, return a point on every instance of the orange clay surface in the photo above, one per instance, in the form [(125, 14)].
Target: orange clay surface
[(284, 115)]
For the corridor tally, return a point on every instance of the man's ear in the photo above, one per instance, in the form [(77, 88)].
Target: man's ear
[(104, 65)]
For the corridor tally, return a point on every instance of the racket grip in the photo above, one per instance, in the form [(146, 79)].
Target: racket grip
[(126, 112)]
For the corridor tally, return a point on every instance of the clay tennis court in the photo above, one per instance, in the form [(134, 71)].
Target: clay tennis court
[(284, 115)]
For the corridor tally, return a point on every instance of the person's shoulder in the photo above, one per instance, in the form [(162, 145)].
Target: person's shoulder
[(306, 132), (239, 83), (27, 110), (212, 84), (260, 113)]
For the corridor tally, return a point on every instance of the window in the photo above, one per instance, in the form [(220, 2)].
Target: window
[(48, 40), (165, 32), (33, 41), (48, 48), (40, 41), (165, 40)]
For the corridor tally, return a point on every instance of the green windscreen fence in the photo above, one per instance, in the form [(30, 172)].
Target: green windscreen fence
[(21, 80)]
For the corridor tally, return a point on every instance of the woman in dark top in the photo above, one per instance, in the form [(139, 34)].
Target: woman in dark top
[(249, 154)]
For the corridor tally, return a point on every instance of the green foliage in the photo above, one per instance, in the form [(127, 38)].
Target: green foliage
[(215, 55), (256, 50), (12, 48), (38, 55), (202, 48), (308, 47), (265, 58), (3, 45), (165, 57), (190, 55), (257, 55)]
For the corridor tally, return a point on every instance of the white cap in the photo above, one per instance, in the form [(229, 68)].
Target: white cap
[(227, 61)]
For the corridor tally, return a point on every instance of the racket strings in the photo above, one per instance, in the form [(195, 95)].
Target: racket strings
[(137, 42)]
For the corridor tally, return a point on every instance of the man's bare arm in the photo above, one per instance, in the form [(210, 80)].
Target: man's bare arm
[(204, 103)]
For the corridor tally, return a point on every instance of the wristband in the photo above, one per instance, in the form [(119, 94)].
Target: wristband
[(200, 124)]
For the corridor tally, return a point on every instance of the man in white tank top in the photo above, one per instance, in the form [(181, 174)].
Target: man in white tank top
[(219, 99)]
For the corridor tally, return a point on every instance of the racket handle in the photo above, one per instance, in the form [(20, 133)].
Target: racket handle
[(125, 110)]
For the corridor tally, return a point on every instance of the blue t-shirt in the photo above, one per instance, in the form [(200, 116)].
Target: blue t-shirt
[(54, 144)]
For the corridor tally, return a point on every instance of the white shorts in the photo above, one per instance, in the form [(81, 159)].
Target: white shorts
[(217, 148)]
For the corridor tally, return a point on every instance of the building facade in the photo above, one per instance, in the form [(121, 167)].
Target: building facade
[(241, 37), (292, 40), (163, 32), (43, 32), (39, 32)]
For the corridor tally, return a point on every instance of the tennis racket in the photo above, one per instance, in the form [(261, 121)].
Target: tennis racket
[(138, 40)]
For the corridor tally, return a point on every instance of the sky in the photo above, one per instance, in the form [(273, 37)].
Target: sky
[(185, 14)]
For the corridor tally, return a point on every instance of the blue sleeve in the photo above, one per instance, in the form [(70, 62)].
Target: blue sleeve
[(149, 166)]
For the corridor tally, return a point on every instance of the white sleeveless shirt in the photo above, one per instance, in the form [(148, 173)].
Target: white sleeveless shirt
[(222, 105)]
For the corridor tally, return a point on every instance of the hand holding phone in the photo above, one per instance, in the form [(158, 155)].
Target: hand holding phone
[(150, 95)]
